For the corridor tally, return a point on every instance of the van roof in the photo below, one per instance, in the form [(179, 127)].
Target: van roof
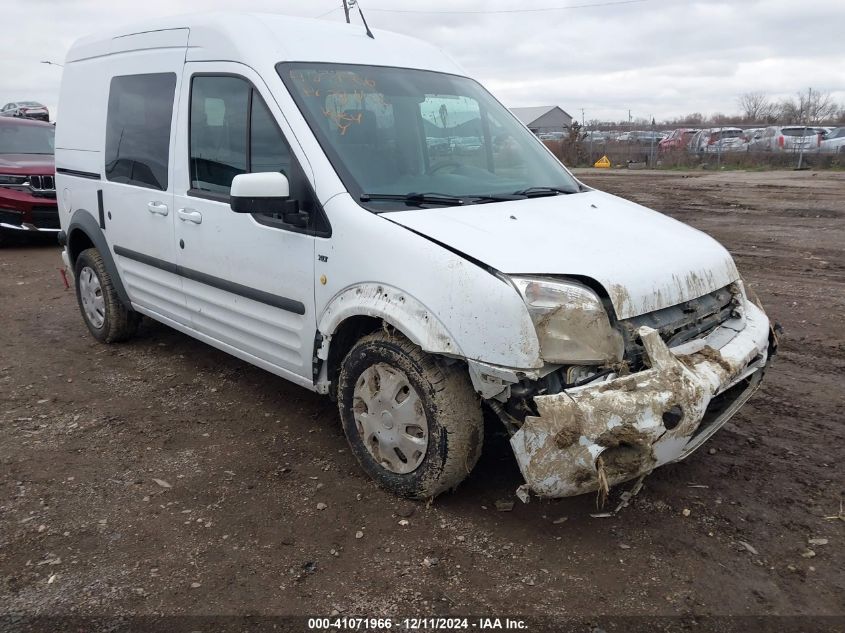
[(260, 40)]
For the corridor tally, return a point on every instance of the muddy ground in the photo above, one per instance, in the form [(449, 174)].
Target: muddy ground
[(244, 459)]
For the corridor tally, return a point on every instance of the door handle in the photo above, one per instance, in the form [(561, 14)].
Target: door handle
[(157, 207), (189, 215)]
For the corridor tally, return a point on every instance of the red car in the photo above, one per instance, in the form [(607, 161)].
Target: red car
[(677, 140), (27, 177)]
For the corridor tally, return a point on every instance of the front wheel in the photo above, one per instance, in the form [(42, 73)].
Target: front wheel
[(414, 424), (108, 320)]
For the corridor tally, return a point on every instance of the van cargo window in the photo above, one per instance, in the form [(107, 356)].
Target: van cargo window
[(138, 124)]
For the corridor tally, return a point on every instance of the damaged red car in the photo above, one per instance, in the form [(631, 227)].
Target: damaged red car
[(27, 177)]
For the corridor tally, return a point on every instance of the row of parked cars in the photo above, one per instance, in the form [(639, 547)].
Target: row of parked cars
[(775, 138)]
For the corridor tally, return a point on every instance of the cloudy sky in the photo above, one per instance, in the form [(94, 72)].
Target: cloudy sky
[(661, 58)]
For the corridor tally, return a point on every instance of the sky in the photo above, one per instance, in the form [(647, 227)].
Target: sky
[(656, 58)]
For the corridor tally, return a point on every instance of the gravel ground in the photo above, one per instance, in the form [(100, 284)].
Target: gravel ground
[(162, 476)]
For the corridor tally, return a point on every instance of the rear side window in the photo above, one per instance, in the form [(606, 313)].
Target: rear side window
[(798, 131), (138, 129)]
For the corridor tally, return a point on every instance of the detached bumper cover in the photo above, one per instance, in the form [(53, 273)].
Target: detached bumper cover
[(630, 425)]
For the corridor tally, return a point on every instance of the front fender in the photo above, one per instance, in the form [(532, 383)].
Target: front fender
[(395, 307)]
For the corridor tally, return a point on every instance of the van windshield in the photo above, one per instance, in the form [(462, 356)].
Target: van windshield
[(399, 137)]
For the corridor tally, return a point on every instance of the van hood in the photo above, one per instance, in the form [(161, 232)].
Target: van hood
[(644, 260)]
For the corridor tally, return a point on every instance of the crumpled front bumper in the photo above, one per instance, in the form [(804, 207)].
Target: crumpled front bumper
[(628, 426)]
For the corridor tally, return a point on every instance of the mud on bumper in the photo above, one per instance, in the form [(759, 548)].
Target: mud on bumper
[(630, 425)]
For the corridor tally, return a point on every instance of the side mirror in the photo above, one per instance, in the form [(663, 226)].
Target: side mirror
[(265, 192)]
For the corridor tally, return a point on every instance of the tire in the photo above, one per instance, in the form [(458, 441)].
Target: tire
[(439, 435), (108, 320)]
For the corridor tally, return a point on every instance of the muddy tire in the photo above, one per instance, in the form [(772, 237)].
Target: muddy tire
[(108, 320), (414, 424)]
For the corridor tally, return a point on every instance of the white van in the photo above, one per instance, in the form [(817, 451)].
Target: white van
[(354, 214)]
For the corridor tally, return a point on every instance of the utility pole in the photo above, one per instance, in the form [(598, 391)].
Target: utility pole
[(806, 123), (719, 149), (651, 149), (346, 9)]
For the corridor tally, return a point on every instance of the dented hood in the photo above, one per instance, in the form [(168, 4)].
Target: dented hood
[(643, 259)]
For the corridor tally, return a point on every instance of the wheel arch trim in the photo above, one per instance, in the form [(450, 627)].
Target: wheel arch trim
[(84, 222), (396, 308)]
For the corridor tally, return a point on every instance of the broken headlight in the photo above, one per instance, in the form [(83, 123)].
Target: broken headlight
[(571, 322)]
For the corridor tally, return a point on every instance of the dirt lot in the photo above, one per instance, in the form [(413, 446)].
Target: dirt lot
[(242, 460)]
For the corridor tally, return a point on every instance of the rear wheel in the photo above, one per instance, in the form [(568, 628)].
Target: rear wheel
[(108, 320), (414, 424)]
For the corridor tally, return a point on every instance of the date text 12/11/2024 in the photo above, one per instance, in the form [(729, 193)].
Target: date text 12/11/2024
[(415, 624)]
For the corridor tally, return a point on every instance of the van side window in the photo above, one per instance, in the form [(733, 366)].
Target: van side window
[(268, 150), (138, 122), (232, 132), (219, 121)]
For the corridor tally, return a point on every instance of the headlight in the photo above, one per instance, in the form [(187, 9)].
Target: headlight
[(12, 180), (571, 322)]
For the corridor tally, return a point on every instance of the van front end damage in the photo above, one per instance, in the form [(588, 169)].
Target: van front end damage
[(623, 427)]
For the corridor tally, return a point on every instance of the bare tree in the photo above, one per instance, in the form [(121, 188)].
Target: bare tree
[(808, 107), (695, 119), (755, 107), (820, 106), (789, 110), (722, 119)]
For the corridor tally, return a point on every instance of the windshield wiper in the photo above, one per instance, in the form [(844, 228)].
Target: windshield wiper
[(481, 198), (414, 198), (537, 192)]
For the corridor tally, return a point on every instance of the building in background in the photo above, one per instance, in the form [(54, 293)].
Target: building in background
[(544, 119)]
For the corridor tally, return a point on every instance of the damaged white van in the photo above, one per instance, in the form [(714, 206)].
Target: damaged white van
[(353, 213)]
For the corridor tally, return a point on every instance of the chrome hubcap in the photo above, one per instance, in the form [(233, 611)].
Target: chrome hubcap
[(390, 418), (91, 295)]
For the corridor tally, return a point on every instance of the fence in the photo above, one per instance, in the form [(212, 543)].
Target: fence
[(583, 153)]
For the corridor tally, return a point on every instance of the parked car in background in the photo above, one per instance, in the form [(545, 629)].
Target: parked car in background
[(551, 136), (596, 136), (752, 132), (27, 176), (787, 138), (833, 142), (27, 110), (645, 137), (624, 137), (718, 139), (677, 140)]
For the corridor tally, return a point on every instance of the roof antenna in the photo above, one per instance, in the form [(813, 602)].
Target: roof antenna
[(355, 3)]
